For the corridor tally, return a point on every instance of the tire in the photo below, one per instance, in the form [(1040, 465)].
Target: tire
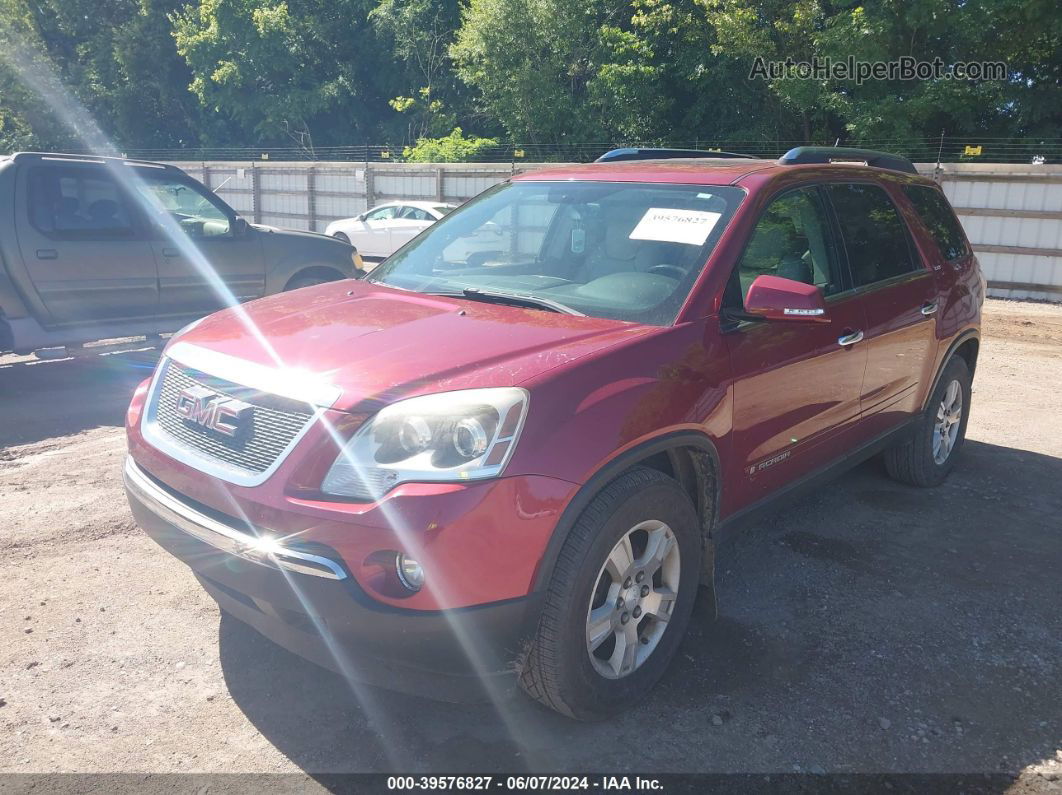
[(559, 669), (341, 236), (919, 461)]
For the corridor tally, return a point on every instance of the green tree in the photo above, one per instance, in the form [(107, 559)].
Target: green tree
[(299, 72), (115, 59), (419, 34), (553, 71), (452, 148)]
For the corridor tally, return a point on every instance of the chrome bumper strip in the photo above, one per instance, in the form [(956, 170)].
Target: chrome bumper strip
[(261, 550)]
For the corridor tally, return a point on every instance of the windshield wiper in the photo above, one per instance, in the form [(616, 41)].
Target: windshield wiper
[(512, 299), (519, 299)]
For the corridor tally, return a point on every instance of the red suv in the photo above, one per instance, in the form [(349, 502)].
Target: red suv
[(513, 447)]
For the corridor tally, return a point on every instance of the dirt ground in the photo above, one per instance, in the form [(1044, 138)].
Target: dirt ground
[(869, 627)]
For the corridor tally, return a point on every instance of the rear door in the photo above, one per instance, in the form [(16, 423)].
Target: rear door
[(409, 222), (797, 385), (205, 260), (84, 244), (898, 293)]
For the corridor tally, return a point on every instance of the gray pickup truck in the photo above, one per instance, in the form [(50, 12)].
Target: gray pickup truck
[(97, 248)]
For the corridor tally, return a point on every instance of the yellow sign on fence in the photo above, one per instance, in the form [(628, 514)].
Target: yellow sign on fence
[(973, 151)]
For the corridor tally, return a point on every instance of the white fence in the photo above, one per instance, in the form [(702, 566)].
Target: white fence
[(1013, 217), (1012, 213)]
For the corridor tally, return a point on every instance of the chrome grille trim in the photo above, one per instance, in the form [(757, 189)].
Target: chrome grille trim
[(279, 424), (273, 427)]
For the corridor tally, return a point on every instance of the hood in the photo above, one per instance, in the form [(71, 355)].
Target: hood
[(376, 343)]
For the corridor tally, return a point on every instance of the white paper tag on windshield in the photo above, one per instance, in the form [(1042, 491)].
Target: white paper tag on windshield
[(691, 227)]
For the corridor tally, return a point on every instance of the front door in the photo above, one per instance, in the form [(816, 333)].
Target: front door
[(373, 239), (206, 260), (796, 385), (83, 244)]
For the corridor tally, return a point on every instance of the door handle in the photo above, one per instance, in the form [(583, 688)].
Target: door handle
[(849, 339), (170, 252), (47, 253), (929, 308)]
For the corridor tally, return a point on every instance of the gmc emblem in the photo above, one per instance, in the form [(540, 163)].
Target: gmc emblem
[(217, 412)]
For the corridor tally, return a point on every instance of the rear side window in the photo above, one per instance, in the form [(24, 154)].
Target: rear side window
[(415, 214), (939, 219), (873, 232), (78, 203)]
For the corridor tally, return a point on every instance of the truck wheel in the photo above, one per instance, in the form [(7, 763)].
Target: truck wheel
[(926, 458), (619, 600)]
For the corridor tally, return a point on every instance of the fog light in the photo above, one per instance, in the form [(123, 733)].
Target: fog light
[(410, 573)]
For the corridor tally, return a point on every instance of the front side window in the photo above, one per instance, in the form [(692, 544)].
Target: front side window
[(939, 219), (190, 205), (875, 236), (626, 251), (792, 240), (81, 203)]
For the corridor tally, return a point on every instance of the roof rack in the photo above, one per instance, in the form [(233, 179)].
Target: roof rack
[(88, 158), (803, 155), (634, 153)]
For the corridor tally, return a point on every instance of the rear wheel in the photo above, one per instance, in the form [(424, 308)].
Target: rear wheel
[(926, 458), (619, 600)]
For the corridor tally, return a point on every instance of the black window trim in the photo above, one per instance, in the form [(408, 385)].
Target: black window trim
[(737, 320), (920, 270), (137, 226)]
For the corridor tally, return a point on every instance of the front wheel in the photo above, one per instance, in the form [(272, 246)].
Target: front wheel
[(926, 458), (619, 600), (341, 236)]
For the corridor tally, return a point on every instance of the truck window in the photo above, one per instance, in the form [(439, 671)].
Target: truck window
[(77, 203), (191, 206)]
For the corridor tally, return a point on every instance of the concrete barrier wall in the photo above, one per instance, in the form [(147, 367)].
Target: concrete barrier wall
[(1012, 212)]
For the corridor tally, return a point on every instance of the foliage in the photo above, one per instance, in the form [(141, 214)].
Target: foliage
[(150, 74), (452, 148)]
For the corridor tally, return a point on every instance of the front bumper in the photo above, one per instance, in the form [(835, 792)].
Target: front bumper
[(304, 599)]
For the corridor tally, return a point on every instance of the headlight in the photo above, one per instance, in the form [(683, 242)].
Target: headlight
[(450, 436)]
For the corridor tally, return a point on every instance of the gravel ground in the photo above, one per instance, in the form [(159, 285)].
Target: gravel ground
[(869, 627)]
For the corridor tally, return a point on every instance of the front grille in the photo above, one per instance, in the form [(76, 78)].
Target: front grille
[(275, 421)]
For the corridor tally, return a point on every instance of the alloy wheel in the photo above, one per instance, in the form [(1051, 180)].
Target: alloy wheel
[(946, 427), (633, 599)]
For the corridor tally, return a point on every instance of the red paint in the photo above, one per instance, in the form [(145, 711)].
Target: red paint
[(777, 400)]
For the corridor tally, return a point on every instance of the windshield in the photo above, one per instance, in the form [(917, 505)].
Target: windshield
[(626, 251)]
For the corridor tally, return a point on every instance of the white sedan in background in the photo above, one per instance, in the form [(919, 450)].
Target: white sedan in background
[(385, 228)]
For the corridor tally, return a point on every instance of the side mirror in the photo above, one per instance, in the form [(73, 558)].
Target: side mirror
[(239, 226), (775, 298)]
